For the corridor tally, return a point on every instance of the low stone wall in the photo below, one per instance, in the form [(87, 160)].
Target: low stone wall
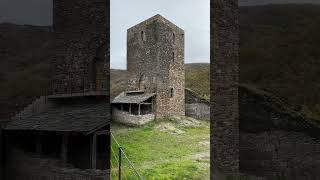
[(33, 167), (280, 155), (276, 141), (131, 119), (198, 111)]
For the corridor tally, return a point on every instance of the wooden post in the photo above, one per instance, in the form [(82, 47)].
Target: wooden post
[(139, 109), (94, 151), (119, 167), (38, 145), (129, 108), (64, 147)]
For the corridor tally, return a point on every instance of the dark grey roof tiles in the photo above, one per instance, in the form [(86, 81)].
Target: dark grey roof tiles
[(132, 98), (70, 116)]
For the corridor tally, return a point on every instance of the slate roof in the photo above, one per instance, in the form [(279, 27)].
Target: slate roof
[(66, 117), (132, 98)]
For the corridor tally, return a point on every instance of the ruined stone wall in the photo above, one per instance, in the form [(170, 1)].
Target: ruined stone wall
[(80, 62), (278, 154), (196, 107), (224, 87), (191, 97), (198, 111), (276, 141), (131, 119), (155, 62)]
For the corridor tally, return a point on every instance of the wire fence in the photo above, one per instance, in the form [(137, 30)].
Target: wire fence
[(121, 166)]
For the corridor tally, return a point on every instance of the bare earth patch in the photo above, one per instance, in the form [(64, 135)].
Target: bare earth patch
[(204, 143), (186, 121), (169, 128), (201, 157)]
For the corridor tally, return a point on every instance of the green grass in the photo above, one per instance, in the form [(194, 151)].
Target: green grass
[(198, 79), (161, 155)]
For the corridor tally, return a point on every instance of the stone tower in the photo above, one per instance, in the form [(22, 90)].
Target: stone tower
[(80, 60), (224, 77), (155, 62)]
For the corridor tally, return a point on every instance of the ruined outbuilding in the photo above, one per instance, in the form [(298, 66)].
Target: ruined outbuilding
[(196, 106), (65, 135), (155, 63)]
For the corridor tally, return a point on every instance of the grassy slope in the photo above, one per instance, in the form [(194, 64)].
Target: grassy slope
[(162, 155), (118, 81), (280, 52), (24, 65), (197, 79)]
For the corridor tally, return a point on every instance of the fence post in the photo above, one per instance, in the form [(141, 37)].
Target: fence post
[(119, 163)]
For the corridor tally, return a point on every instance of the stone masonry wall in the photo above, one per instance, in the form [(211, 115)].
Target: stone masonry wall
[(80, 59), (155, 62), (131, 119), (276, 142), (192, 97), (280, 155), (198, 111), (196, 107), (224, 87)]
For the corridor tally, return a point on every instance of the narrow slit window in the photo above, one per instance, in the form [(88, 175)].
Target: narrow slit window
[(174, 38), (173, 57), (143, 36), (171, 92)]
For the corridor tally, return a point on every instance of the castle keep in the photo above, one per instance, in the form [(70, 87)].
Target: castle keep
[(155, 63)]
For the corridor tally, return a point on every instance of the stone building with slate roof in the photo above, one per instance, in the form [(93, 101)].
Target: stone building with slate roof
[(65, 135), (155, 63)]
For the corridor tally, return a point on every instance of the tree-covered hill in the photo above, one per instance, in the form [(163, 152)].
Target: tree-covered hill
[(280, 52), (196, 78)]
